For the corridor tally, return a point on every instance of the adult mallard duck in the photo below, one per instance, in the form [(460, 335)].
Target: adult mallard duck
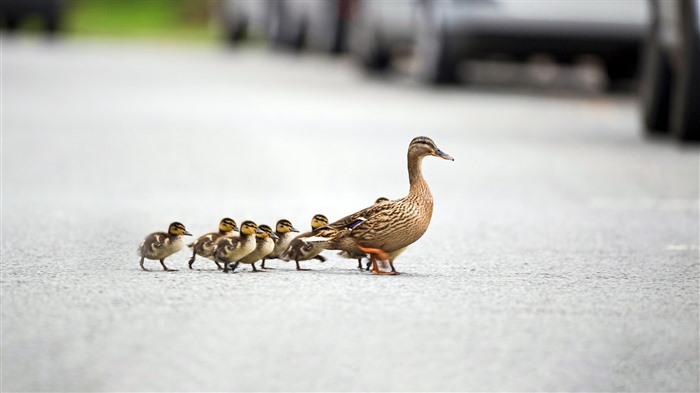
[(264, 244), (204, 245), (160, 245), (285, 233), (230, 249), (300, 250), (384, 230)]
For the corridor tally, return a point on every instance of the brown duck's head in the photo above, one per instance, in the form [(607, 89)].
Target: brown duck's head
[(178, 229), (381, 200), (285, 226), (423, 146), (319, 220), (228, 225)]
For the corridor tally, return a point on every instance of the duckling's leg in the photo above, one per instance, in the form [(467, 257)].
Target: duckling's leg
[(226, 267), (254, 269), (194, 255), (141, 263), (167, 269), (359, 263), (218, 265), (320, 258), (299, 267), (376, 253)]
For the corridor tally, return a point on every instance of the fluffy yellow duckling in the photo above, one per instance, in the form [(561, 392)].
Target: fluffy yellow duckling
[(204, 245), (285, 233), (300, 250), (160, 245), (265, 244), (230, 249)]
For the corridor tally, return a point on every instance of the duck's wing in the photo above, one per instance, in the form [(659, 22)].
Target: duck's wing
[(204, 241), (153, 243), (367, 213), (366, 223)]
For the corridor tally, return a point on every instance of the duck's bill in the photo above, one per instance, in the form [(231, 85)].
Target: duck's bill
[(187, 233), (443, 155)]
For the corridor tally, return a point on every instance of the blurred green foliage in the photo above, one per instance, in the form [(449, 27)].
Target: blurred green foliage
[(149, 19)]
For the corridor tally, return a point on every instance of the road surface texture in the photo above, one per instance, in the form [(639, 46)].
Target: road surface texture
[(562, 254)]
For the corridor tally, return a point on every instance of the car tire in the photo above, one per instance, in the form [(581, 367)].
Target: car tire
[(655, 86), (685, 109), (234, 24), (285, 32), (327, 33)]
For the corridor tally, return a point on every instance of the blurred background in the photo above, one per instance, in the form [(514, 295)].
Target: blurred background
[(563, 250), (646, 48)]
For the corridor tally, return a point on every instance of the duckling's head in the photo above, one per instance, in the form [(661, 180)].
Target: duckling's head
[(318, 221), (178, 229), (228, 225), (422, 146), (266, 231), (249, 228), (381, 200), (285, 226)]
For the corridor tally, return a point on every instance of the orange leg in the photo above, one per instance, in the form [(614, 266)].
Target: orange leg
[(376, 253)]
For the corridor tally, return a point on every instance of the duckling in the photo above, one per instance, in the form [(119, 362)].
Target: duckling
[(232, 248), (160, 245), (285, 233), (345, 254), (265, 244), (299, 250), (387, 228), (204, 245)]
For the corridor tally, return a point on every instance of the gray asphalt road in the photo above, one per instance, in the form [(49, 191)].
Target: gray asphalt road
[(562, 255)]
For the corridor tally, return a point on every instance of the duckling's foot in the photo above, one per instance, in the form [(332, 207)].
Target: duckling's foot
[(320, 258), (191, 261), (142, 267), (359, 263), (165, 268), (299, 267)]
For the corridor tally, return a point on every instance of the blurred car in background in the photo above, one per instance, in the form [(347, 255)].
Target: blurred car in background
[(379, 31), (670, 83), (315, 24), (448, 32), (242, 18), (15, 12)]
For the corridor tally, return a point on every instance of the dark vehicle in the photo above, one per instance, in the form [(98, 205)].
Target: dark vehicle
[(315, 24), (670, 83), (14, 12), (243, 18), (380, 31), (450, 31)]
